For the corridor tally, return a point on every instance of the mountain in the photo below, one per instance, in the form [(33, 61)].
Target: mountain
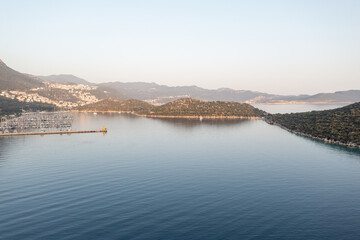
[(101, 92), (341, 125), (66, 78), (186, 107), (160, 94), (344, 97), (13, 80), (105, 92)]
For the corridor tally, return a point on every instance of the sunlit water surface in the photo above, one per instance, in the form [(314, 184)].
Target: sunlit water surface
[(177, 179)]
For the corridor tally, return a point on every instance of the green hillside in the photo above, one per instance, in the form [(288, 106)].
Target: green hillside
[(182, 107), (115, 105), (193, 107), (339, 125)]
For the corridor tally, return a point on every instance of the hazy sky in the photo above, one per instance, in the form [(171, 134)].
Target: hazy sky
[(286, 47)]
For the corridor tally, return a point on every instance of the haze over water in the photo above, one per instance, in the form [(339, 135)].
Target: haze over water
[(177, 179)]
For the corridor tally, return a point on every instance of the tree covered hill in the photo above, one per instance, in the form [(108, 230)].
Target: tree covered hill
[(338, 125), (193, 107), (179, 108), (116, 105)]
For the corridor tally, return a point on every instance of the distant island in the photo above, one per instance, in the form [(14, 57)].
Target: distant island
[(181, 108), (340, 126)]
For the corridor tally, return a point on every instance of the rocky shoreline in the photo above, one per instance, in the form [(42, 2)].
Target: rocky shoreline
[(325, 140)]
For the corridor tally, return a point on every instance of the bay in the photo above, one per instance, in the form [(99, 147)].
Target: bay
[(177, 179)]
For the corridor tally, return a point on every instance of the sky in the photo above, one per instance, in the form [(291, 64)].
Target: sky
[(280, 47)]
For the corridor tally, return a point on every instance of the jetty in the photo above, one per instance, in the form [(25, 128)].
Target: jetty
[(104, 130)]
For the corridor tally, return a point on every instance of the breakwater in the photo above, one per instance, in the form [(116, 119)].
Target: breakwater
[(48, 133)]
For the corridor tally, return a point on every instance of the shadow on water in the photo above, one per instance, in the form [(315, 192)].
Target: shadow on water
[(348, 150), (193, 123), (331, 146)]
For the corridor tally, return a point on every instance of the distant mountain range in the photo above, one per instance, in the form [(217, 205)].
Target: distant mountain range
[(160, 94), (66, 78)]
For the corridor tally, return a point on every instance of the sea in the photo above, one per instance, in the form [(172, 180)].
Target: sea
[(178, 179)]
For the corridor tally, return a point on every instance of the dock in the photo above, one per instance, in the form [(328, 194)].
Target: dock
[(47, 133)]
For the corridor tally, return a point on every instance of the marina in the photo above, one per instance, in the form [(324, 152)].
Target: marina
[(41, 123), (37, 120)]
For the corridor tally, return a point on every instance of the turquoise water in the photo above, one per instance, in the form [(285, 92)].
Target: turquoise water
[(177, 179)]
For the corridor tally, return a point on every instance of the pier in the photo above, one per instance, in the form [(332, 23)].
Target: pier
[(104, 130)]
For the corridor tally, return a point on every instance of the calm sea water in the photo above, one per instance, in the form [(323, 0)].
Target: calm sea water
[(177, 179), (283, 108)]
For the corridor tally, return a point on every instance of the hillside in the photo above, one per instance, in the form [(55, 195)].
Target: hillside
[(186, 107), (105, 92), (13, 80), (193, 107), (341, 125), (12, 106), (115, 105), (66, 78)]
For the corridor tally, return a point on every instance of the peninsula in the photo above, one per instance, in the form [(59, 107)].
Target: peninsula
[(339, 126), (181, 108)]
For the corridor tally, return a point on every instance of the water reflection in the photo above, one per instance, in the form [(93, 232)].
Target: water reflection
[(333, 147), (3, 148), (192, 123)]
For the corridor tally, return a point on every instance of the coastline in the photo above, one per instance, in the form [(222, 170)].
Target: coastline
[(173, 116), (300, 103), (324, 140), (199, 117)]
